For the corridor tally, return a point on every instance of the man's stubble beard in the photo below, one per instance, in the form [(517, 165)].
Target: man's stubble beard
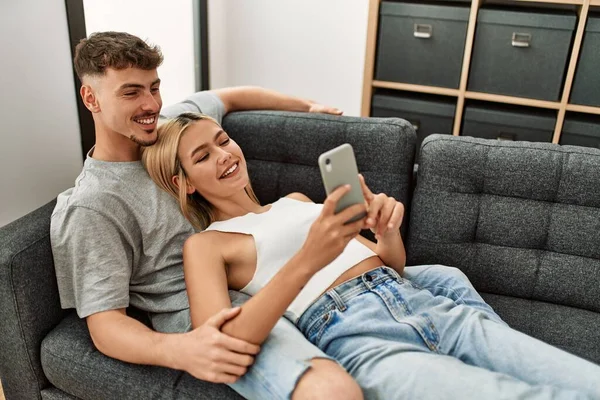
[(143, 143)]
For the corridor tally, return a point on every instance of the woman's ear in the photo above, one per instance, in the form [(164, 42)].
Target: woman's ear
[(188, 186)]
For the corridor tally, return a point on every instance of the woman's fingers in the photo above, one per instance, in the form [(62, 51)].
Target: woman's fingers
[(396, 218), (385, 214), (368, 195), (331, 201)]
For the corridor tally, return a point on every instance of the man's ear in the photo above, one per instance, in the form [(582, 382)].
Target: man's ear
[(89, 98), (188, 186)]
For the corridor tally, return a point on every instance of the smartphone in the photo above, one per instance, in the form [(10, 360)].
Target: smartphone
[(338, 167)]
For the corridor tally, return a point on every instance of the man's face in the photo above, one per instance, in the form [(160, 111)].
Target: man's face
[(128, 102)]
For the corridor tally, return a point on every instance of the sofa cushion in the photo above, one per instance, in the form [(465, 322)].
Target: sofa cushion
[(284, 158), (522, 220), (73, 365), (572, 329)]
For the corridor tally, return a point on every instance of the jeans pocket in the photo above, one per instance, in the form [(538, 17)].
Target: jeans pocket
[(317, 327)]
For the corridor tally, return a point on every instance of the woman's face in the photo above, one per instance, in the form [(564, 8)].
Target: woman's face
[(214, 163)]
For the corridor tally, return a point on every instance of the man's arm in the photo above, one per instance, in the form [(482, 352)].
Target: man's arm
[(95, 281), (205, 352), (257, 98)]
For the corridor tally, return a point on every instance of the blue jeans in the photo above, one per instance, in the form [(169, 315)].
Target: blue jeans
[(285, 356), (399, 341)]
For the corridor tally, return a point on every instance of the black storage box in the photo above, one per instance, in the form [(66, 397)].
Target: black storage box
[(421, 44), (586, 88), (427, 114), (522, 54), (507, 123), (581, 131)]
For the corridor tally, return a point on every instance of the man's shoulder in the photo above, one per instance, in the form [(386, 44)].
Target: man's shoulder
[(95, 191)]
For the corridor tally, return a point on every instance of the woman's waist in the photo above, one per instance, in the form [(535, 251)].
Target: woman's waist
[(357, 270), (361, 282)]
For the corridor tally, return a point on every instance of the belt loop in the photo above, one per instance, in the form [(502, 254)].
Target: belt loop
[(337, 300), (395, 274)]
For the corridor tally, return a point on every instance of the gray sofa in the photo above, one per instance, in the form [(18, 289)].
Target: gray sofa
[(522, 220)]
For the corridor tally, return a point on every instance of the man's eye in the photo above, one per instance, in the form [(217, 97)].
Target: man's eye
[(129, 94), (155, 90)]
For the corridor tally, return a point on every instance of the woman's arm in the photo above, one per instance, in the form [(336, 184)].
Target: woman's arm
[(206, 279), (389, 246)]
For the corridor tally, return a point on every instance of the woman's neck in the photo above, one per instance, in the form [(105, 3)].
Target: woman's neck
[(236, 206)]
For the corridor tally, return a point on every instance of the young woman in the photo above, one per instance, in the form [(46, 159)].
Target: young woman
[(346, 294)]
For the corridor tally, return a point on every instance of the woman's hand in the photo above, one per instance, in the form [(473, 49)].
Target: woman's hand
[(384, 213), (330, 233)]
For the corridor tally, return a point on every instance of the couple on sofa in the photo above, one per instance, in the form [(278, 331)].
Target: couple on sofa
[(119, 239)]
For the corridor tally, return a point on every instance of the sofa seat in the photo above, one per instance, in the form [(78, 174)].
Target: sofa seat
[(73, 365), (568, 328)]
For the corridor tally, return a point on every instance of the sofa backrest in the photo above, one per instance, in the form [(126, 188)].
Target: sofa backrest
[(282, 149), (522, 220)]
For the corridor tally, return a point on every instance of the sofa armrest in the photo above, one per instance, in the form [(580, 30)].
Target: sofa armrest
[(29, 302)]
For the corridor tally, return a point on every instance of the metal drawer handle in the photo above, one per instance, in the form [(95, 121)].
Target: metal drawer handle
[(423, 31), (521, 39), (415, 125), (506, 136)]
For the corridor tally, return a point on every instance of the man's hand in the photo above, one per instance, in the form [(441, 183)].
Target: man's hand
[(322, 109), (208, 354)]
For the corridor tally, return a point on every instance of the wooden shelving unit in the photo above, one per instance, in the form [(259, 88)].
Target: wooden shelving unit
[(461, 93)]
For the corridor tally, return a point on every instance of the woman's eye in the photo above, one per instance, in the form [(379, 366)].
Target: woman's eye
[(225, 142), (204, 157)]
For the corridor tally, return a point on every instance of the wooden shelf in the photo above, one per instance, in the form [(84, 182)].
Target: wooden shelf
[(562, 106), (574, 2), (520, 101), (583, 109), (416, 88)]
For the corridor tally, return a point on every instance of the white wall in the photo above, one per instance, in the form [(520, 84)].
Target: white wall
[(308, 48), (40, 149), (168, 24)]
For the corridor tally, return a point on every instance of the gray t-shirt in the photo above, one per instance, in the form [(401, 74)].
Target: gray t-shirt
[(117, 238)]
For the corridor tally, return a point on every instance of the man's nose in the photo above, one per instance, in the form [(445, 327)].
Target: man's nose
[(151, 103)]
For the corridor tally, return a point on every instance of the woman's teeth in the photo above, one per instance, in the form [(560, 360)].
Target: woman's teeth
[(230, 170)]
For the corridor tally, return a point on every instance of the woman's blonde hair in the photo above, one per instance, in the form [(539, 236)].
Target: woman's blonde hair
[(162, 163)]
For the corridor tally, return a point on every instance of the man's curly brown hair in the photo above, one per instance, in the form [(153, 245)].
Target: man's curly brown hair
[(118, 50)]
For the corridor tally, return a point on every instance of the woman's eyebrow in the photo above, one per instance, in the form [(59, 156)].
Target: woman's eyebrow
[(203, 145)]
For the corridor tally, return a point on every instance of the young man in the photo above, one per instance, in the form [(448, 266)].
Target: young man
[(117, 239)]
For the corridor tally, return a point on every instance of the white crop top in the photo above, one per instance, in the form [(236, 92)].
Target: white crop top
[(278, 234)]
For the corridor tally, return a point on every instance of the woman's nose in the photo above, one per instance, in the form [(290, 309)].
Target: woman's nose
[(224, 156)]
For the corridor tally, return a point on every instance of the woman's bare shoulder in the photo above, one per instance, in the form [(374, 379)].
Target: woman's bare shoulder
[(299, 196), (207, 240)]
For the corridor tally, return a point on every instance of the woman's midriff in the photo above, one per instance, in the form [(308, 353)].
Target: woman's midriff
[(357, 270)]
